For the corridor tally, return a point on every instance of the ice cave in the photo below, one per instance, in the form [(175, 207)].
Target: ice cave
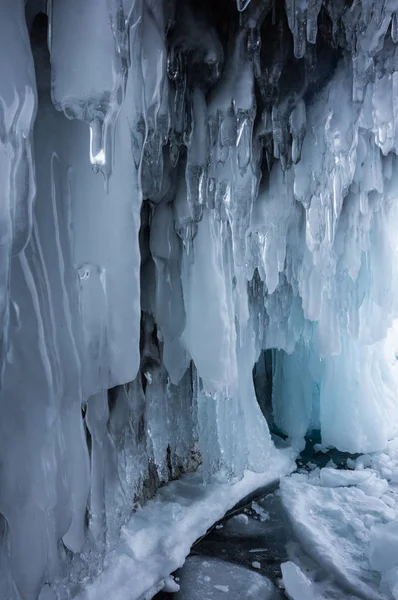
[(199, 299)]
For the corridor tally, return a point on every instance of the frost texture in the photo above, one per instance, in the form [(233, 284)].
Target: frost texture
[(209, 184)]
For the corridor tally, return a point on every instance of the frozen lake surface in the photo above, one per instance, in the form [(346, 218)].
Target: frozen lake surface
[(329, 531)]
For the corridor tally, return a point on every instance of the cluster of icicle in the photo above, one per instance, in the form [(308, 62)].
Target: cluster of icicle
[(247, 202)]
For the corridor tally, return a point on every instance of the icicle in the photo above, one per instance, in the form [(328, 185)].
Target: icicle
[(297, 123), (242, 4), (98, 53)]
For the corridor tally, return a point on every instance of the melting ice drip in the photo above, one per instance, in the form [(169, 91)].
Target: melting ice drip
[(249, 204)]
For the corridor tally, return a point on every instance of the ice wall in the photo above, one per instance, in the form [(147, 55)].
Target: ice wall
[(210, 181)]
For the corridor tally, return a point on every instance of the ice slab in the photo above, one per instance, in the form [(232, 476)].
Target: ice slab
[(367, 480), (383, 553), (302, 575), (208, 578), (339, 477), (297, 585), (333, 525)]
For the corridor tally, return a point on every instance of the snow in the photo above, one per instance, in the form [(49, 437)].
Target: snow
[(170, 585), (158, 537), (338, 477), (383, 552), (332, 526), (366, 480), (347, 522)]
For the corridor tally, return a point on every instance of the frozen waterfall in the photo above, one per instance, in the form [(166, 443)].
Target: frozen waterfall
[(199, 249)]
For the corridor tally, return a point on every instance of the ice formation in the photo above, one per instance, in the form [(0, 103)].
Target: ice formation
[(189, 191)]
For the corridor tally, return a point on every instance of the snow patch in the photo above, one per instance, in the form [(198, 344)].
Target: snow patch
[(159, 536)]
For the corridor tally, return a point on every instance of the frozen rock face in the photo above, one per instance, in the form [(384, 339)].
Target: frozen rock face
[(184, 187)]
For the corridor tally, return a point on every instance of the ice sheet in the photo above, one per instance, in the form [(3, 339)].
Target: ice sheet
[(349, 531)]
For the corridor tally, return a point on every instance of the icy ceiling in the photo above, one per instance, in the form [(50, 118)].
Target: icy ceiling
[(185, 185)]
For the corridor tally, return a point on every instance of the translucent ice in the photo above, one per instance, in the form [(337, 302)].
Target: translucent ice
[(297, 585), (244, 218), (17, 113)]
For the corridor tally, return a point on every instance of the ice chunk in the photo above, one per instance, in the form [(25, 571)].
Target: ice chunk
[(207, 577), (383, 551), (297, 585), (337, 478), (264, 516), (170, 586), (366, 480)]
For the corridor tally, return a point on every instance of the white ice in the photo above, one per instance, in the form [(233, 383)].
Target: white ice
[(216, 579), (171, 208), (296, 583), (159, 536), (346, 521)]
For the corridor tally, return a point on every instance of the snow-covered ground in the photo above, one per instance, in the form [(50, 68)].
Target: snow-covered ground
[(346, 526), (327, 533), (159, 536), (345, 521), (343, 533), (343, 540)]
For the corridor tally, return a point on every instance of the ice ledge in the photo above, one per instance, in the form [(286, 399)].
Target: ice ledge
[(159, 536)]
